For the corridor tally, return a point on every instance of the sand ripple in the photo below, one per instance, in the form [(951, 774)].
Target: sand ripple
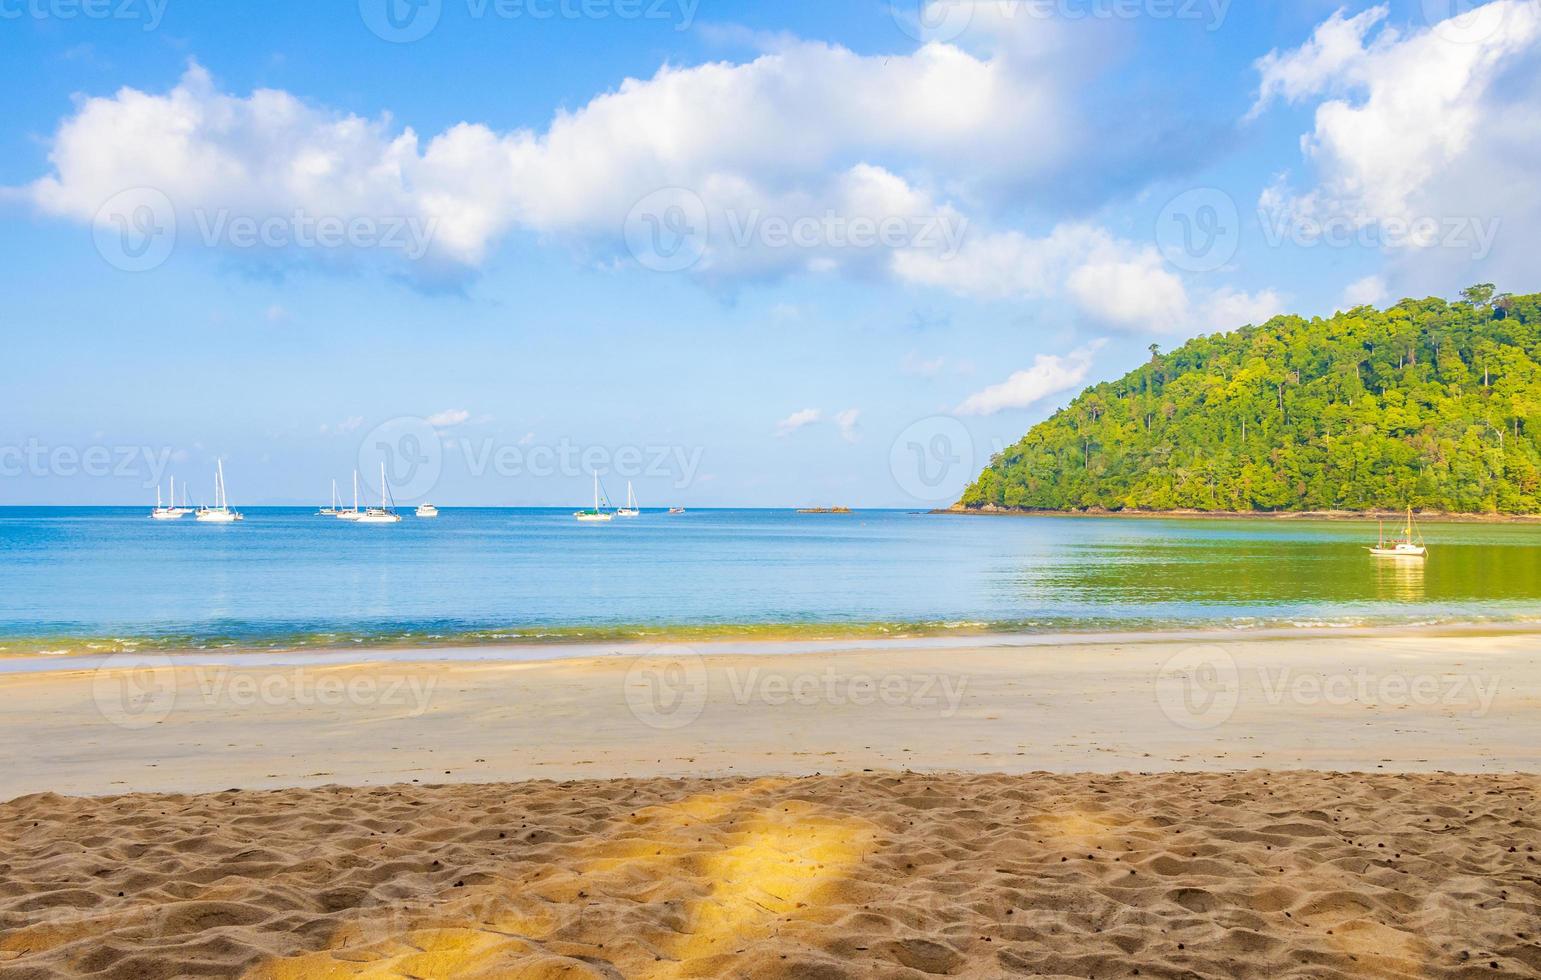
[(882, 875)]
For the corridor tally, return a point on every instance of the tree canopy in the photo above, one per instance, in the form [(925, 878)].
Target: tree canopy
[(1428, 403)]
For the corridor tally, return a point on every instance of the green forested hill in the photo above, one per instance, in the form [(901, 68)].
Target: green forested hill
[(1431, 403)]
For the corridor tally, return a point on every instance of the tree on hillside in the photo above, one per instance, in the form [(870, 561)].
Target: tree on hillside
[(1431, 403)]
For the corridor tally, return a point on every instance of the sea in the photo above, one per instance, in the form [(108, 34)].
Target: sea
[(76, 580)]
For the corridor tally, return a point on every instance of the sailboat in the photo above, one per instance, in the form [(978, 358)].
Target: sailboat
[(596, 514), (183, 510), (631, 509), (355, 513), (331, 511), (383, 514), (169, 512), (1403, 547), (220, 513)]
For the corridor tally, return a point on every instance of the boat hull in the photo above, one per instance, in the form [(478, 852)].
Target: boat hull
[(1399, 552)]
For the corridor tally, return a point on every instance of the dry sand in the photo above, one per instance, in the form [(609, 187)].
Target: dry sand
[(457, 870), (881, 875)]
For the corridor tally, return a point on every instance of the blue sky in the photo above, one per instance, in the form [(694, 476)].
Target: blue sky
[(743, 254)]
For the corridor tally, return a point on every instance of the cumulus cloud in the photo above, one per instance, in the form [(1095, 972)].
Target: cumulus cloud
[(798, 420), (777, 132), (1332, 56), (1369, 291), (808, 158), (1425, 141), (1049, 375), (1121, 284)]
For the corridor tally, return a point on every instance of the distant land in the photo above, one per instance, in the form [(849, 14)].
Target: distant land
[(1428, 404)]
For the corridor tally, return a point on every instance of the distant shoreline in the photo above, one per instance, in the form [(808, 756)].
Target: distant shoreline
[(1290, 515)]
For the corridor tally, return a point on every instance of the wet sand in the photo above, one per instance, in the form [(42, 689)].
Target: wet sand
[(1395, 703)]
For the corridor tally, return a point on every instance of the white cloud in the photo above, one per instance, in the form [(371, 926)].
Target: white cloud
[(803, 130), (1334, 53), (449, 418), (798, 420), (1227, 309), (778, 132), (1438, 128), (847, 421), (1122, 285), (1049, 375), (1131, 291), (1369, 291), (277, 314)]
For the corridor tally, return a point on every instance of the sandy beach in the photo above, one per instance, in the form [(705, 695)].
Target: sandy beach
[(880, 875), (1300, 806), (1396, 702)]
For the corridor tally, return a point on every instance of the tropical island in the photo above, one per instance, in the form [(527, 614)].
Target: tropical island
[(1429, 403)]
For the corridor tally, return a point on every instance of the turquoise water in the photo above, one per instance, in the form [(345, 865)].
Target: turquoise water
[(81, 578)]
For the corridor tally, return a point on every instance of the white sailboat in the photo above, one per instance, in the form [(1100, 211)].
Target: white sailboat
[(597, 514), (1403, 547), (161, 512), (631, 509), (385, 513), (183, 510), (169, 512), (220, 513), (355, 513), (331, 511)]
